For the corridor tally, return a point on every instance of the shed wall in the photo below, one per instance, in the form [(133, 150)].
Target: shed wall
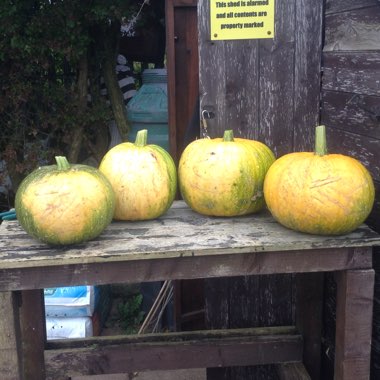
[(350, 109)]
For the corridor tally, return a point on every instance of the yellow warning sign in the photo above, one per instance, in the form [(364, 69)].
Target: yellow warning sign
[(244, 19)]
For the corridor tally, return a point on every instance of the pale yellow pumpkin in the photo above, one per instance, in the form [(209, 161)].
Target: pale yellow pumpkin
[(143, 177), (224, 176)]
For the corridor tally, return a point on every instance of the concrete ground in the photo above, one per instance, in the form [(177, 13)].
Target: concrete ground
[(188, 374)]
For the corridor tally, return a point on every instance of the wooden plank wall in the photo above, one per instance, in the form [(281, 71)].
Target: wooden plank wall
[(267, 90), (350, 109)]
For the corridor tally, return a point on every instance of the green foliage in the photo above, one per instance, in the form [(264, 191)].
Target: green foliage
[(131, 315), (42, 43)]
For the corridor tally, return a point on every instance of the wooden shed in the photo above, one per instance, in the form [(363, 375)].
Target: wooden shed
[(322, 66), (318, 64)]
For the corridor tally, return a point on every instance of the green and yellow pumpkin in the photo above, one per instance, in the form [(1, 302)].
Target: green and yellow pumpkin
[(319, 193), (64, 204), (224, 176), (143, 176)]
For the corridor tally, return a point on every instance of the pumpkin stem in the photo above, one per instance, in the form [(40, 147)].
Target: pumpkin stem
[(320, 140), (141, 138), (62, 163), (228, 135)]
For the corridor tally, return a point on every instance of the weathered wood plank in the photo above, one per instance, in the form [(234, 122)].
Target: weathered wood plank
[(189, 307), (224, 67), (309, 305), (247, 301), (336, 6), (375, 344), (179, 374), (235, 111), (10, 343), (329, 324), (365, 149), (179, 234), (217, 316), (354, 60), (217, 303), (276, 83), (307, 72), (179, 337), (96, 273), (353, 72), (352, 112), (185, 3), (374, 218), (260, 372), (276, 296), (292, 371), (182, 244), (354, 30), (353, 327), (237, 77), (172, 351)]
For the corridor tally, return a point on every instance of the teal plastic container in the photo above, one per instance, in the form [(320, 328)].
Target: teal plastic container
[(148, 109)]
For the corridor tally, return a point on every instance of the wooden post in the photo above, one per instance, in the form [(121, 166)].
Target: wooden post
[(33, 334), (355, 289), (10, 365)]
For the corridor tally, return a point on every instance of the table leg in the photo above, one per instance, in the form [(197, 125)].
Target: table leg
[(33, 333), (355, 289), (10, 350)]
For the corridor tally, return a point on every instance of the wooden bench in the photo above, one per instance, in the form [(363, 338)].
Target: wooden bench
[(185, 245)]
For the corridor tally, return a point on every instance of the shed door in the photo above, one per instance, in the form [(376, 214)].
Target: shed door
[(182, 63), (268, 90), (265, 89)]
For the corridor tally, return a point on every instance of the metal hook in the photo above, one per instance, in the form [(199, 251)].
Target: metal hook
[(204, 123), (205, 112)]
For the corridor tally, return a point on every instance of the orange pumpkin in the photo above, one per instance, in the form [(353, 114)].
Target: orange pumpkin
[(319, 193)]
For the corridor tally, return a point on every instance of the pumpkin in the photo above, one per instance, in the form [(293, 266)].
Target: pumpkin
[(64, 204), (224, 176), (143, 176), (317, 192)]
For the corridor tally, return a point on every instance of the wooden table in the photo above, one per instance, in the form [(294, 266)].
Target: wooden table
[(185, 245)]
